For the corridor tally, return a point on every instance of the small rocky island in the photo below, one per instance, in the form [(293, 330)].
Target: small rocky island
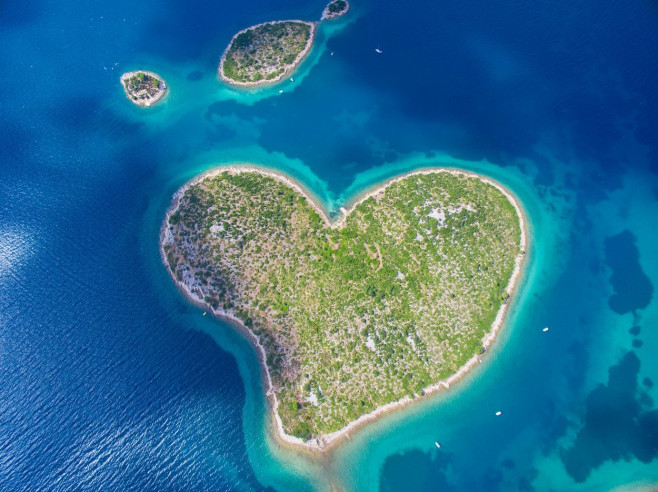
[(143, 88), (266, 53), (395, 299), (335, 9)]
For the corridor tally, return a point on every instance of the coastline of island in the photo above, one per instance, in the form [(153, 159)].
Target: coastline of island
[(335, 9), (242, 65), (144, 88), (328, 442), (288, 69)]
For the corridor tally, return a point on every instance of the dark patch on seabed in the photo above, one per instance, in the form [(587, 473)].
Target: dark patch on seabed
[(429, 472), (195, 75), (417, 470), (616, 426), (633, 288)]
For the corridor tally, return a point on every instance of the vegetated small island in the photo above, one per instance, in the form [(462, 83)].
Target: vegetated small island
[(335, 9), (394, 300), (143, 88), (266, 53)]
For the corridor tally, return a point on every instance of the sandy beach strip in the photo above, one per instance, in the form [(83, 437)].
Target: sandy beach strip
[(327, 442), (291, 69)]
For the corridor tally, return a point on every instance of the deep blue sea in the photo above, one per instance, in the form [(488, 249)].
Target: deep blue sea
[(110, 379)]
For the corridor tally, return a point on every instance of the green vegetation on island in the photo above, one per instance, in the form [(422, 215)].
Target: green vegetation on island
[(394, 298), (143, 88), (335, 9), (266, 53)]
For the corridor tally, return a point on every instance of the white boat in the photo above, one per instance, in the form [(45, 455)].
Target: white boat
[(291, 79), (545, 329), (378, 50), (281, 91), (499, 413), (437, 444)]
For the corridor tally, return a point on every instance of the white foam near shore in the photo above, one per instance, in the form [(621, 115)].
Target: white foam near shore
[(329, 441)]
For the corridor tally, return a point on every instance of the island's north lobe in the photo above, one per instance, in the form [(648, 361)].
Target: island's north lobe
[(266, 53), (354, 315)]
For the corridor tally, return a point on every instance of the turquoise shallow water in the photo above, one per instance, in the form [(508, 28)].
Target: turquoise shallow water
[(108, 377)]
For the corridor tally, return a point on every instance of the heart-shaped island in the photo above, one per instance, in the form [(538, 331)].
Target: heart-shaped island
[(396, 298)]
